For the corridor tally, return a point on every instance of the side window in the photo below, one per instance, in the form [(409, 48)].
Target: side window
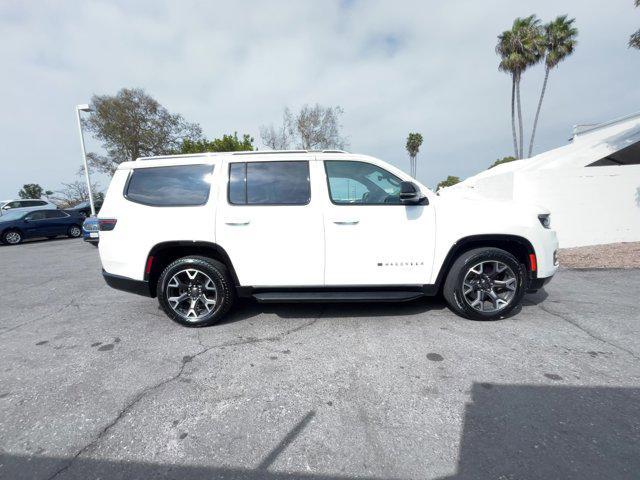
[(37, 215), (40, 203), (361, 183), (55, 214), (176, 186), (269, 183), (14, 204)]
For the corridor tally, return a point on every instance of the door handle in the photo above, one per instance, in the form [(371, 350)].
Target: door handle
[(346, 222), (237, 222)]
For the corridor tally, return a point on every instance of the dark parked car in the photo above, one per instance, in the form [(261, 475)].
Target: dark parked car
[(16, 226), (90, 230), (84, 209)]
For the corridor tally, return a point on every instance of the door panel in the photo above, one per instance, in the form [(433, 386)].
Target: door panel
[(271, 244), (371, 238)]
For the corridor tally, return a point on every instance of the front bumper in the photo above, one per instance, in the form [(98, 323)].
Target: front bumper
[(126, 284)]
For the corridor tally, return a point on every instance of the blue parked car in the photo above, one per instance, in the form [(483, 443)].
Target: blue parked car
[(90, 230), (16, 226)]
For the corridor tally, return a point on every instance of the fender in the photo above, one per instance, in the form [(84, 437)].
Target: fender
[(187, 247), (512, 243)]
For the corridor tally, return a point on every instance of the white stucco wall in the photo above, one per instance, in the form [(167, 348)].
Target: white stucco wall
[(589, 205)]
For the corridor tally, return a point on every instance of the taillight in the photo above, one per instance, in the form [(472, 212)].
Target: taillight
[(107, 224), (147, 269)]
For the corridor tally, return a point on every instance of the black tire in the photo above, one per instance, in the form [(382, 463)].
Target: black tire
[(453, 286), (12, 237), (219, 275), (74, 231)]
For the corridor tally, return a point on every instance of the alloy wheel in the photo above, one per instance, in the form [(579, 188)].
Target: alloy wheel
[(489, 286), (75, 231), (192, 294), (13, 238)]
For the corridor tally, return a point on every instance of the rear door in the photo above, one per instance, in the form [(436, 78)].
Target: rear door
[(269, 221), (59, 221)]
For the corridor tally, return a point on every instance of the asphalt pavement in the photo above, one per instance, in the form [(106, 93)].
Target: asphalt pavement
[(96, 383)]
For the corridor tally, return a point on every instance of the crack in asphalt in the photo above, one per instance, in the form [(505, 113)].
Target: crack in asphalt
[(185, 360), (587, 331), (71, 303)]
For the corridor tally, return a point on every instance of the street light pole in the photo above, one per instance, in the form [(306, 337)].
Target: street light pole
[(85, 108)]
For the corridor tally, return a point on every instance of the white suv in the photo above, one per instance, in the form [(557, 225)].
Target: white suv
[(197, 231), (26, 205)]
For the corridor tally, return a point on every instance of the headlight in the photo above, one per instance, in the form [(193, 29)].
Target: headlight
[(545, 220)]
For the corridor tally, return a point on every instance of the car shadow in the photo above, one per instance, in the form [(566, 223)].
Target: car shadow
[(247, 308), (31, 241)]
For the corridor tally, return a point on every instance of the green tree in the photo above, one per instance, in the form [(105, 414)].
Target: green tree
[(519, 48), (560, 42), (447, 182), (502, 160), (634, 40), (414, 140), (33, 190), (133, 124), (228, 143)]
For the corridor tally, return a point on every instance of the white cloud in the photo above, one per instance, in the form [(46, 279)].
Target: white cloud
[(394, 66)]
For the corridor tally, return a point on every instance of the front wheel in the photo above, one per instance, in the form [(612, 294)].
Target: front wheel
[(12, 237), (485, 284), (195, 291)]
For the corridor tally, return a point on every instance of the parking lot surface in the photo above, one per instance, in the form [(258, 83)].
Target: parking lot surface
[(96, 383)]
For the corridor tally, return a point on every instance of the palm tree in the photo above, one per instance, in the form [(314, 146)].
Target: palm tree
[(634, 41), (519, 48), (560, 36), (414, 140)]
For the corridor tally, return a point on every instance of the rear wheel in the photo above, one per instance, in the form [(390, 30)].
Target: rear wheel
[(485, 284), (195, 291), (74, 231), (12, 237)]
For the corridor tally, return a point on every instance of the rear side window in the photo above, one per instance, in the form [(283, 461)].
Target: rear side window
[(178, 186), (269, 183), (55, 214)]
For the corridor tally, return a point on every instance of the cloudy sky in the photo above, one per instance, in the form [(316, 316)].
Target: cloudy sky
[(394, 66)]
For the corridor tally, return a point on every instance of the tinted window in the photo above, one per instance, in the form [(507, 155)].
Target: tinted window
[(32, 203), (170, 186), (361, 183), (237, 183), (269, 183), (55, 214), (39, 215)]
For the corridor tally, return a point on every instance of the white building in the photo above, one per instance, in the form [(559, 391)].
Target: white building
[(591, 186)]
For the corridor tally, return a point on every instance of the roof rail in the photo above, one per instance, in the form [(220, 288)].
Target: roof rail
[(184, 155), (244, 152), (267, 152)]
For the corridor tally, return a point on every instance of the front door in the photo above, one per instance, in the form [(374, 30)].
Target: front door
[(270, 223), (371, 237)]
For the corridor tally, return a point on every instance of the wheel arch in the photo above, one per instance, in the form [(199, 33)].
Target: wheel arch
[(518, 246), (164, 253), (12, 229)]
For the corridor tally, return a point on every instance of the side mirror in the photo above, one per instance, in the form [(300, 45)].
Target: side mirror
[(410, 194)]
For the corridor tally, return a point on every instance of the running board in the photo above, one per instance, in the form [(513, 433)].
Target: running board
[(337, 296)]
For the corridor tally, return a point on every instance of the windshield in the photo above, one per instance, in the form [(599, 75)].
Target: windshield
[(12, 215)]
